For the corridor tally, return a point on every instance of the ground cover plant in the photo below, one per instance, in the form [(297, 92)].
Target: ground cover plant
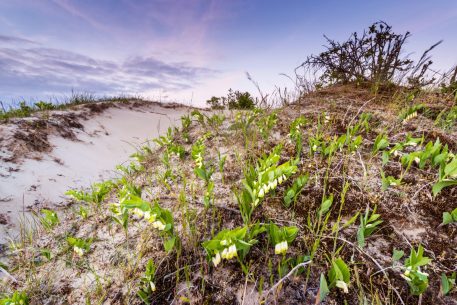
[(26, 109), (341, 197)]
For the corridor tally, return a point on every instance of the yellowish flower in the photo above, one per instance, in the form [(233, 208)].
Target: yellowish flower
[(342, 285), (158, 225), (216, 259), (78, 250), (153, 286), (281, 248)]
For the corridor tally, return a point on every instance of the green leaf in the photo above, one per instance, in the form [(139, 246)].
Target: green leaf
[(169, 243), (397, 255), (385, 157), (451, 168), (447, 218), (437, 187), (361, 237), (344, 270), (445, 285), (325, 205), (349, 222), (323, 289)]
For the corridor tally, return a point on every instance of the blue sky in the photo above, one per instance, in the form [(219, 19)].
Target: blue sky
[(189, 50)]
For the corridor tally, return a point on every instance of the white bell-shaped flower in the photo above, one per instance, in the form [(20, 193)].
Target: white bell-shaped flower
[(261, 193), (224, 253), (78, 250), (153, 286), (342, 285), (216, 259)]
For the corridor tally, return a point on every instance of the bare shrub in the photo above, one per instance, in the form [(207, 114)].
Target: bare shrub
[(374, 56)]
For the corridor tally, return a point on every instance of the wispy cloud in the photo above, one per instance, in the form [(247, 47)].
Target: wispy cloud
[(12, 39), (39, 70)]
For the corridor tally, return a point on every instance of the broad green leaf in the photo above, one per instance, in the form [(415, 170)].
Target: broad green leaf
[(397, 255), (323, 289), (451, 168), (437, 187), (360, 237), (445, 285), (325, 205), (447, 218)]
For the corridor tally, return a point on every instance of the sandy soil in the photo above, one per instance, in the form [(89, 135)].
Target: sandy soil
[(106, 140)]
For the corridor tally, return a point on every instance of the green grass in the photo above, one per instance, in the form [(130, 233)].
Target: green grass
[(26, 109)]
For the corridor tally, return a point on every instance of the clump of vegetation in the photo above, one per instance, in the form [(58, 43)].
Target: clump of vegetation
[(373, 57), (233, 100), (25, 109)]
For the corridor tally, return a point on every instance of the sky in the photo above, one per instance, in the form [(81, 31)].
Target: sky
[(190, 50)]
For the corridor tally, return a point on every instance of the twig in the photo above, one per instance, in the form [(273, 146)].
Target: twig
[(244, 292), (8, 275), (285, 277), (360, 109), (374, 261), (185, 288)]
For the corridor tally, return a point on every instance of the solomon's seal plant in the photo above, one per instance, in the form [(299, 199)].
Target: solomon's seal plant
[(450, 217), (198, 149), (339, 276), (49, 219), (415, 277), (97, 194), (160, 218), (447, 283), (228, 244), (411, 113), (381, 142), (147, 282), (80, 245), (266, 123), (368, 223), (447, 176), (296, 133), (281, 237), (203, 170), (261, 180), (389, 181), (295, 189), (17, 298)]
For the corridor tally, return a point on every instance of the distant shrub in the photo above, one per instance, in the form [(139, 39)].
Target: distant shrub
[(451, 86), (216, 102), (44, 105), (233, 100)]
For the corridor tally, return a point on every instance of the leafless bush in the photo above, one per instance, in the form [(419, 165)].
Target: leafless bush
[(374, 56)]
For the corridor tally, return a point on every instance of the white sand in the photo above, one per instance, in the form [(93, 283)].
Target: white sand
[(108, 140)]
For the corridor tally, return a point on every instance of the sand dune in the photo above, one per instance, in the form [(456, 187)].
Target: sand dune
[(106, 140)]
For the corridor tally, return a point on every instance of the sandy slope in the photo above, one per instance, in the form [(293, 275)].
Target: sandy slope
[(108, 138)]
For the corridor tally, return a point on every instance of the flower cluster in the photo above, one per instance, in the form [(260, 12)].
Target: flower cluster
[(271, 185), (343, 286), (199, 160), (78, 250), (147, 215), (410, 116), (159, 225), (80, 246), (281, 248), (228, 253), (270, 179), (198, 150)]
